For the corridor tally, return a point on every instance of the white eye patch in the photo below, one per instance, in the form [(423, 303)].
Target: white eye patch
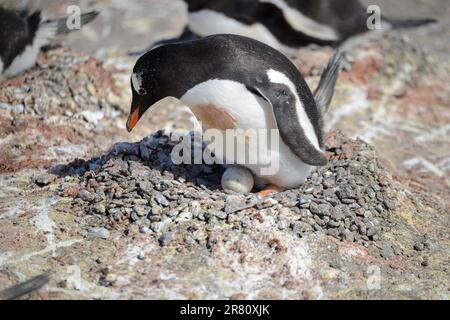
[(136, 80)]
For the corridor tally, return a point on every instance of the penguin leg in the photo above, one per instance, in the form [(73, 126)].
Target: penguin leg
[(269, 190)]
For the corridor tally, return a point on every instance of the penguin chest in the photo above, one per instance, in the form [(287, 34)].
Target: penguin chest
[(212, 116), (226, 105)]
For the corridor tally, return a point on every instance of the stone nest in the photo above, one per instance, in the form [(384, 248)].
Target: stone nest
[(137, 183)]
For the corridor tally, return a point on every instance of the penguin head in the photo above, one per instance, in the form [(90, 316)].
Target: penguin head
[(149, 84)]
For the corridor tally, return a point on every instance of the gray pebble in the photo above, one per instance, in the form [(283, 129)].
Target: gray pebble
[(99, 232), (166, 238)]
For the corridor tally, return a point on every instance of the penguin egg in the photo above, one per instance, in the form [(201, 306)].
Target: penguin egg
[(237, 179)]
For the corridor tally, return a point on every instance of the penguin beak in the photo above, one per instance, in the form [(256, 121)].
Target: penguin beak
[(133, 119)]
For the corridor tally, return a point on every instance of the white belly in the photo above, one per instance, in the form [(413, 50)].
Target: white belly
[(23, 61), (304, 24), (209, 22), (225, 104), (28, 57)]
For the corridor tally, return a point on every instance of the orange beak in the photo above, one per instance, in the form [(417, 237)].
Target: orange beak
[(133, 119)]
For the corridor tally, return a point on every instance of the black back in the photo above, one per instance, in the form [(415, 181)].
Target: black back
[(347, 17), (16, 33), (173, 69)]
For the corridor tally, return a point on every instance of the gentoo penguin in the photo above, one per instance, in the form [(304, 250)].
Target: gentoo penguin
[(262, 21), (233, 82), (336, 20), (21, 39), (285, 25)]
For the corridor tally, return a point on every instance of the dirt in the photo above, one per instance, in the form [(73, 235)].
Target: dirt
[(66, 162)]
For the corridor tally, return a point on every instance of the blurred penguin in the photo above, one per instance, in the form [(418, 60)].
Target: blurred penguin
[(22, 37), (286, 25)]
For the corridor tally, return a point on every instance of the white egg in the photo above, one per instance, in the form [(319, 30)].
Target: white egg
[(237, 179)]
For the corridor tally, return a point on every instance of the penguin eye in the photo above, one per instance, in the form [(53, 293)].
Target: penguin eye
[(142, 92)]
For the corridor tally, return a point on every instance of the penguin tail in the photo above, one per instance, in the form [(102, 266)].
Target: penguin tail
[(62, 26), (408, 23), (24, 288), (325, 90)]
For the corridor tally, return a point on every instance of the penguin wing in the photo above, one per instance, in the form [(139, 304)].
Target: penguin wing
[(24, 288), (284, 107)]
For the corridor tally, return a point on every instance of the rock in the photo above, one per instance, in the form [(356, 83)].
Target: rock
[(18, 108), (99, 232), (419, 246), (348, 235), (141, 211), (234, 203), (43, 180), (126, 148), (92, 116), (144, 229), (99, 208), (86, 196), (161, 199), (237, 179), (239, 251), (387, 252), (166, 238)]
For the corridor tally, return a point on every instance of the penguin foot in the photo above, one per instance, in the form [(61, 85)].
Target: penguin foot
[(270, 189)]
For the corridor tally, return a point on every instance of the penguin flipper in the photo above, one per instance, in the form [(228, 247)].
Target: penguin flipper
[(24, 288), (408, 23), (325, 90), (284, 107), (61, 24)]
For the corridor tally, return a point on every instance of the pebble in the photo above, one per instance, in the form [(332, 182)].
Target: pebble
[(161, 199), (43, 180), (345, 199), (144, 229), (99, 232), (86, 196), (166, 238)]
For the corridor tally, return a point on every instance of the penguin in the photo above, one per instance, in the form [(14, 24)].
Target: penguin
[(21, 39), (262, 21), (336, 20), (232, 82), (286, 25)]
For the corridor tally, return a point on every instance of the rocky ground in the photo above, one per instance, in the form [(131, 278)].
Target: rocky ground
[(108, 215)]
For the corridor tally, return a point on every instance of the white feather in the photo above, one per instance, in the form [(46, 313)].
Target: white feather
[(28, 57), (250, 112), (303, 23), (305, 123), (208, 22), (136, 80)]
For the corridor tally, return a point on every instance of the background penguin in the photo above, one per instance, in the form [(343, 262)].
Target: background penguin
[(21, 39), (249, 85), (335, 20), (285, 25), (262, 21)]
